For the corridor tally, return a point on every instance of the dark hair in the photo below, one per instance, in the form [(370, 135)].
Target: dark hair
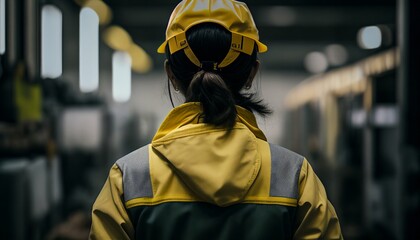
[(217, 91)]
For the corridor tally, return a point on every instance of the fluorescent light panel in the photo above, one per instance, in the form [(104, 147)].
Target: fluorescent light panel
[(89, 50), (51, 42), (370, 37), (316, 62), (2, 26), (121, 76)]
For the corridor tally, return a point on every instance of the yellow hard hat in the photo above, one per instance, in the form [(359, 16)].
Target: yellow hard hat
[(233, 15)]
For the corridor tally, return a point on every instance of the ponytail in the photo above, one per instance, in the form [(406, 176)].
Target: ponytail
[(219, 91), (217, 101)]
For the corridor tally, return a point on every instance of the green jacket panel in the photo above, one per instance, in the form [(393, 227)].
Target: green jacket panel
[(192, 221)]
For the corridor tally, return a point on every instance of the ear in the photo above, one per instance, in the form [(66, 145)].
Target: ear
[(170, 74), (252, 74)]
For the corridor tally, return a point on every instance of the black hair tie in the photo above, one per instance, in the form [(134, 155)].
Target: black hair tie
[(209, 66)]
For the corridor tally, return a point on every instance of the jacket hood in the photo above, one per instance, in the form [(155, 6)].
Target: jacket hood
[(218, 167)]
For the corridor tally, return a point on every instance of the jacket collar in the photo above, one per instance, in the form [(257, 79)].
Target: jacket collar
[(190, 113)]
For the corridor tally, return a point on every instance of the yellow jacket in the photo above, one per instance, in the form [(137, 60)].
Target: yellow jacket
[(196, 181)]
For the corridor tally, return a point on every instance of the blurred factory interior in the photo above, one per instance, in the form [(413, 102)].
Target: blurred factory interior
[(81, 85)]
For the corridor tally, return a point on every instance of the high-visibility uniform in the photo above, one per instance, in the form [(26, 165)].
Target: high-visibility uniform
[(195, 181)]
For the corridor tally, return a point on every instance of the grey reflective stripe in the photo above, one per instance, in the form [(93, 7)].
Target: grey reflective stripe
[(136, 174), (285, 170)]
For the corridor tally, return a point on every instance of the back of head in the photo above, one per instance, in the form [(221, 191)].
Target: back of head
[(211, 64)]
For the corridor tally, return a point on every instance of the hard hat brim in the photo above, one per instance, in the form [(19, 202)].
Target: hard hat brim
[(261, 47), (162, 47)]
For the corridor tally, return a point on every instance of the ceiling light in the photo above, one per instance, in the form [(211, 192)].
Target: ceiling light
[(121, 76), (103, 11), (2, 26), (89, 50), (51, 42), (140, 60), (278, 16), (336, 54), (369, 37), (117, 38), (316, 62)]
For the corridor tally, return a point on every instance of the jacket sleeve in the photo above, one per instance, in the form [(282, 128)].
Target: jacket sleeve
[(316, 217), (109, 216)]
